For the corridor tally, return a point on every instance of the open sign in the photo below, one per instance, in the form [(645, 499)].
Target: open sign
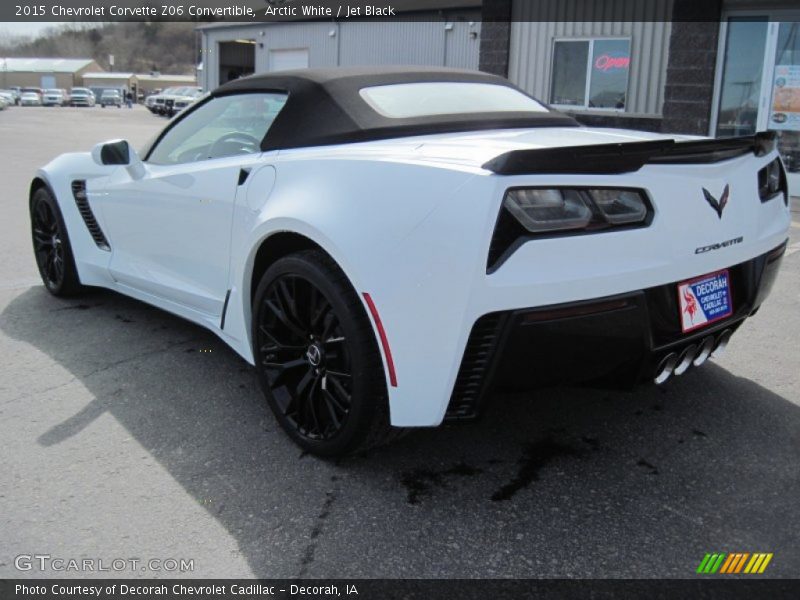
[(606, 62)]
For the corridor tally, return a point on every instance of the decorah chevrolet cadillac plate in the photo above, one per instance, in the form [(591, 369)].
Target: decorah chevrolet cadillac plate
[(389, 246)]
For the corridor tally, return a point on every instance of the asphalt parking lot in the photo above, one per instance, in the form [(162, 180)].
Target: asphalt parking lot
[(130, 433)]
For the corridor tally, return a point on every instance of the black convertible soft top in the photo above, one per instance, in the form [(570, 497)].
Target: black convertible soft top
[(324, 106)]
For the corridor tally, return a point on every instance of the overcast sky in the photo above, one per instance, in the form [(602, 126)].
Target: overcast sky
[(24, 28)]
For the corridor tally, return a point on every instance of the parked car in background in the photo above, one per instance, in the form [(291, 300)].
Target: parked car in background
[(164, 103), (150, 102), (180, 103), (30, 99), (4, 102), (34, 90), (8, 97), (150, 98), (81, 96), (111, 98), (55, 97), (156, 102), (13, 92)]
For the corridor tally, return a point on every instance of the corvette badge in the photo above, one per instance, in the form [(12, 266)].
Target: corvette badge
[(718, 205)]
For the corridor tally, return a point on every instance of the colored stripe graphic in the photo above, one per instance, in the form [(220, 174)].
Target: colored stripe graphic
[(741, 562), (756, 559), (711, 562), (734, 563), (734, 556), (703, 563), (765, 563), (717, 564), (728, 563)]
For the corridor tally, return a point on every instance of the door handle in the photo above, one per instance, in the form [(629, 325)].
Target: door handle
[(243, 175)]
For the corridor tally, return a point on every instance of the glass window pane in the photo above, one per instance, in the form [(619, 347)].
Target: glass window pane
[(224, 126), (610, 68), (408, 100), (784, 115), (741, 77), (568, 83)]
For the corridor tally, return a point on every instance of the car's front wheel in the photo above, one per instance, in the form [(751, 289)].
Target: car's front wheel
[(51, 246), (317, 359)]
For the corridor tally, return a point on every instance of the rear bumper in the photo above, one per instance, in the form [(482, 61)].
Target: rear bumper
[(616, 341)]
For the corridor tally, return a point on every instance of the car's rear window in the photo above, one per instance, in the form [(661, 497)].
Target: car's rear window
[(409, 100)]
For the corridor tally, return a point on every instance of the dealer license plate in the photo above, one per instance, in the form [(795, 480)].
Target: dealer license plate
[(704, 300)]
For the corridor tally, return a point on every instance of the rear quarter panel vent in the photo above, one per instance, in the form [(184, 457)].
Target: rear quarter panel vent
[(473, 376)]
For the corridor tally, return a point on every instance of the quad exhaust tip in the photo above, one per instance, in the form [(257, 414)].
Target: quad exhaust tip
[(692, 355), (674, 364), (706, 348), (665, 368), (722, 343), (685, 361)]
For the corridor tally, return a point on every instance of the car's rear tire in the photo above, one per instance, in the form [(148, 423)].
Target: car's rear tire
[(317, 358), (51, 246)]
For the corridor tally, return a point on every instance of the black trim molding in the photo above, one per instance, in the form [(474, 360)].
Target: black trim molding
[(79, 193)]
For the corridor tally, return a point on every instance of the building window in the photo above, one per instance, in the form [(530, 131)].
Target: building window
[(740, 93), (590, 74)]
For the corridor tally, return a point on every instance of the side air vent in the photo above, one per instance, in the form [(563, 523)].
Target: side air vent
[(472, 381), (79, 193), (507, 236)]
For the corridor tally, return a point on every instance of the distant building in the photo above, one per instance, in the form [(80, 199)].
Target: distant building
[(117, 81), (45, 72), (443, 33)]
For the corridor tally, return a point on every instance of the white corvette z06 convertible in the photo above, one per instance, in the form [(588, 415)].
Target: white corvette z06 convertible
[(387, 247)]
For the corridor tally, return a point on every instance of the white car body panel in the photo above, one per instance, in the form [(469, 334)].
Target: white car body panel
[(409, 221)]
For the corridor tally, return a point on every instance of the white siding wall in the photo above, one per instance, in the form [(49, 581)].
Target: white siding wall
[(537, 24), (354, 43)]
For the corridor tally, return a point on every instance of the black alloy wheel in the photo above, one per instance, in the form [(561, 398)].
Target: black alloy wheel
[(317, 357), (48, 245), (306, 358), (51, 246)]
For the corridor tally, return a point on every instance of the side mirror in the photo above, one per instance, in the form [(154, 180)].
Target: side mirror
[(118, 153)]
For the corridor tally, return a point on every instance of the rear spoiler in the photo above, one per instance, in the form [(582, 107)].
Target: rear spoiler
[(628, 157)]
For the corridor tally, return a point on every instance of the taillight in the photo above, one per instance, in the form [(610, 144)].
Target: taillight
[(772, 182)]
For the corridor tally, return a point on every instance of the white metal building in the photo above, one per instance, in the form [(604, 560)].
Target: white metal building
[(448, 38), (44, 72)]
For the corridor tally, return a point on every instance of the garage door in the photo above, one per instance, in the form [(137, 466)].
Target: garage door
[(281, 60)]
